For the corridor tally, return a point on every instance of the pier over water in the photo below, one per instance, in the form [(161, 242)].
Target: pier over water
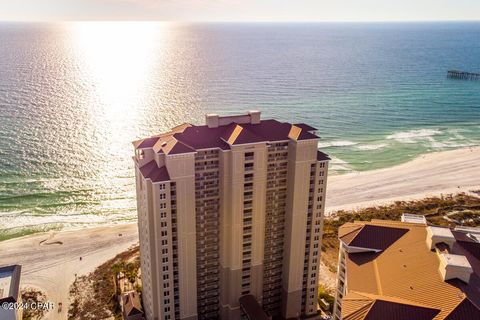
[(457, 74)]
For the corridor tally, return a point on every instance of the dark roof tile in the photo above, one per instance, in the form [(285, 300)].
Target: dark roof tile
[(153, 172), (377, 237), (148, 142), (306, 127), (466, 310), (322, 156), (381, 310), (180, 148)]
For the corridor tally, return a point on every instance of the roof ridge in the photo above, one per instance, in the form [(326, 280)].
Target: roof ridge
[(393, 299), (360, 312), (357, 230)]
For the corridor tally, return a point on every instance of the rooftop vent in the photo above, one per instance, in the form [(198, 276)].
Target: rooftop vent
[(437, 235), (414, 218), (454, 266)]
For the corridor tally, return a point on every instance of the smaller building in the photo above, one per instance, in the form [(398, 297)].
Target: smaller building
[(10, 292), (407, 270), (132, 308)]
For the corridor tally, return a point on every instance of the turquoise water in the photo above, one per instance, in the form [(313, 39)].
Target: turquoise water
[(73, 96)]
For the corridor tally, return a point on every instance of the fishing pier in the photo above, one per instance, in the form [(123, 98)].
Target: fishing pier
[(457, 74)]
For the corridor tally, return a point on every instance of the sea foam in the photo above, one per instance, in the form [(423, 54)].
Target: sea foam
[(338, 143), (372, 146), (413, 136)]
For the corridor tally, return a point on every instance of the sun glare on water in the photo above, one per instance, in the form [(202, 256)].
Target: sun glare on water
[(119, 59), (117, 64)]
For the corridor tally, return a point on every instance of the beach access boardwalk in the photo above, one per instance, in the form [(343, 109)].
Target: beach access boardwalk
[(457, 74)]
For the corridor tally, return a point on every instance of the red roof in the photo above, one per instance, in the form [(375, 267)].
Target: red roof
[(322, 156), (465, 310), (306, 127), (148, 142), (180, 148), (381, 310), (203, 137), (376, 237), (153, 172)]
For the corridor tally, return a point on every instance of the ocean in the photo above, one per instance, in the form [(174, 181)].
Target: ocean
[(74, 95)]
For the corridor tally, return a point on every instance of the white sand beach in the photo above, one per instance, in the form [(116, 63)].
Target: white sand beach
[(428, 175), (51, 265), (50, 261)]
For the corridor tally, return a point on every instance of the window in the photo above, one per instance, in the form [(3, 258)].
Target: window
[(163, 205), (163, 196), (163, 215), (163, 224)]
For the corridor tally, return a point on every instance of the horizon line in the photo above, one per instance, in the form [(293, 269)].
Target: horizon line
[(244, 21)]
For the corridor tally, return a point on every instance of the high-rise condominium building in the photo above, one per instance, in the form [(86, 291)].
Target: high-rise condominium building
[(230, 219)]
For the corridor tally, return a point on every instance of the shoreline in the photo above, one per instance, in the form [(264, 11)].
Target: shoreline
[(50, 260), (435, 173), (335, 182)]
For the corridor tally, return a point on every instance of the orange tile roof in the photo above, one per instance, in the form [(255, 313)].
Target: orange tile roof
[(405, 272)]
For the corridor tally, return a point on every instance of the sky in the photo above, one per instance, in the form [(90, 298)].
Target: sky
[(240, 10)]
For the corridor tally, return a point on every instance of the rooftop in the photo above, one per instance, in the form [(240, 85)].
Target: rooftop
[(9, 283), (405, 272), (224, 132), (221, 133), (131, 304)]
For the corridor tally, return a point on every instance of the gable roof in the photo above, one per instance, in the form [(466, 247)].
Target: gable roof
[(131, 304)]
